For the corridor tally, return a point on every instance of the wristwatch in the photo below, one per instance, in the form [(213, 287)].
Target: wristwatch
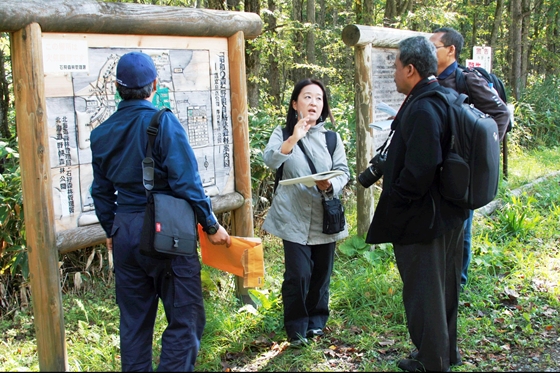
[(212, 229)]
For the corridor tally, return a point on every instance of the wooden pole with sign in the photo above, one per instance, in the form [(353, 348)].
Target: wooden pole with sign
[(243, 216), (36, 180)]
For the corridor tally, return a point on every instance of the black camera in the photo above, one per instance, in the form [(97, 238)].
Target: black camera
[(374, 172)]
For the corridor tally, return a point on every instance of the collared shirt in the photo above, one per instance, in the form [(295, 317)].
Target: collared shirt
[(118, 147), (296, 214), (448, 71)]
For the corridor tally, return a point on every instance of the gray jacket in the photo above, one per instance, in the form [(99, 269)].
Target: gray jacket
[(296, 214)]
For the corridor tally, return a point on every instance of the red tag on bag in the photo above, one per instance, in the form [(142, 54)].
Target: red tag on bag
[(158, 227)]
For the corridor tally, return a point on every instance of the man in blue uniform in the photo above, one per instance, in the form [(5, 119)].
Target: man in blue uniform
[(449, 44), (118, 147)]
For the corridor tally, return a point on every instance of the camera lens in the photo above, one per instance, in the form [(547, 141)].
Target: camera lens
[(369, 176)]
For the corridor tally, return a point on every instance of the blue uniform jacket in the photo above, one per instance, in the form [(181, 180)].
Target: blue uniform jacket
[(118, 147)]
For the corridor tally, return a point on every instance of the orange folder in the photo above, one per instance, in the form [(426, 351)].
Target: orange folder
[(244, 258)]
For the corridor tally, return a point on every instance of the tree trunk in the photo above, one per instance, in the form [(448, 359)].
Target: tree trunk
[(474, 25), (273, 71), (233, 5), (394, 9), (311, 35), (550, 67), (322, 14), (497, 22), (215, 4), (390, 13), (526, 24), (4, 99), (252, 61), (298, 73), (515, 45)]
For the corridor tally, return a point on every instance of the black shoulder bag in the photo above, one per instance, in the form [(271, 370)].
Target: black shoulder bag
[(333, 211), (169, 227)]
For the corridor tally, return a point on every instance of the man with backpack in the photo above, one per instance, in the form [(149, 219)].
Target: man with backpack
[(449, 43), (425, 229)]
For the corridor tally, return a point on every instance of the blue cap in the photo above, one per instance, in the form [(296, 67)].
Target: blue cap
[(136, 70)]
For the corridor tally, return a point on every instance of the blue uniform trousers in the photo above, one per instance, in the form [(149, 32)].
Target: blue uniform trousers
[(140, 282), (467, 244)]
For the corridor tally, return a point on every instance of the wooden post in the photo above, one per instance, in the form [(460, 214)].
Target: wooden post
[(364, 39), (36, 181), (243, 216), (89, 16), (364, 143)]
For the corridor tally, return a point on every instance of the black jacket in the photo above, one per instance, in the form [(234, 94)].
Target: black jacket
[(411, 209)]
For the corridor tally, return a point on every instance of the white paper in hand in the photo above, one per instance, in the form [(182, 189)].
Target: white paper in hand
[(309, 180)]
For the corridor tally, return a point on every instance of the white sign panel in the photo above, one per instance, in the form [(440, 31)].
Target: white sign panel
[(65, 55), (483, 55), (193, 83)]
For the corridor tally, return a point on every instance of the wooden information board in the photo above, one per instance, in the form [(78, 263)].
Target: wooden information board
[(193, 81)]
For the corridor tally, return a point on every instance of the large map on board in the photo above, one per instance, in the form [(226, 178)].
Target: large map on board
[(193, 83)]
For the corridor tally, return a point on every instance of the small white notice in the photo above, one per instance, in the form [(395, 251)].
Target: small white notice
[(60, 56), (309, 180)]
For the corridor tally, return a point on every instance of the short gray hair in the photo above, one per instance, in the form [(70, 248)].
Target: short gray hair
[(419, 52)]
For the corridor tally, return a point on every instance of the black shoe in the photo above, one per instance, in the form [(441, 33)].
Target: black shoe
[(411, 365), (298, 342), (311, 333), (414, 354)]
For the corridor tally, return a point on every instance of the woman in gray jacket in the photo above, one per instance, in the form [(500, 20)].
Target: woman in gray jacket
[(296, 214)]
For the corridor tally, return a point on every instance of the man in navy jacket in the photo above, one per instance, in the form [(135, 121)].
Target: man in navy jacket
[(449, 44), (118, 147), (425, 229)]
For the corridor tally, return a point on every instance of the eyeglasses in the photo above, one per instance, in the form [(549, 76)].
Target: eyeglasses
[(442, 46)]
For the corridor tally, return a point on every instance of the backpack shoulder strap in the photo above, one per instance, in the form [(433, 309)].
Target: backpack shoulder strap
[(280, 170), (460, 81), (331, 141), (450, 99)]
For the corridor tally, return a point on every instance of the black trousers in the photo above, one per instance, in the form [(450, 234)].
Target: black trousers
[(305, 290), (431, 275)]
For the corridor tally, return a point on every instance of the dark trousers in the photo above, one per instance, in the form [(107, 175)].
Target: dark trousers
[(431, 275), (305, 290), (140, 282)]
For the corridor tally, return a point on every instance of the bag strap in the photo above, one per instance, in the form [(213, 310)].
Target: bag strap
[(461, 82), (311, 165), (331, 146), (148, 164), (448, 98)]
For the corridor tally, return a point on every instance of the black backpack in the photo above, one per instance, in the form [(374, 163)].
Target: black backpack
[(497, 83), (331, 145), (470, 171)]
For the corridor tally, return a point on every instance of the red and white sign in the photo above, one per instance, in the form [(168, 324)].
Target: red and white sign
[(482, 56)]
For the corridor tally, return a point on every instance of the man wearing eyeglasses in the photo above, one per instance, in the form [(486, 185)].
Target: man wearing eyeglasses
[(449, 43)]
